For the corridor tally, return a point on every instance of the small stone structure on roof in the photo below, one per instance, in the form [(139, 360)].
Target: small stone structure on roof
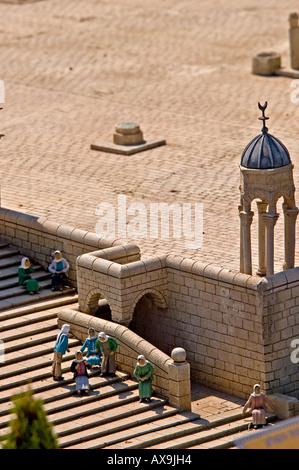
[(266, 175)]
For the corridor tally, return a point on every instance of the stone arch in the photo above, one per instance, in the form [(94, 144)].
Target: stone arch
[(149, 321), (157, 297), (91, 302)]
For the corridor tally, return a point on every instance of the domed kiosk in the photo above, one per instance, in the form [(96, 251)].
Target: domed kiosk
[(266, 173)]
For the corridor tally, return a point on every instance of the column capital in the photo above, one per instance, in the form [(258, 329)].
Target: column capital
[(246, 217), (292, 213), (270, 218), (261, 206)]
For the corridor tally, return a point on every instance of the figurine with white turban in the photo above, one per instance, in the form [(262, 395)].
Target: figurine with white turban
[(108, 346), (144, 374)]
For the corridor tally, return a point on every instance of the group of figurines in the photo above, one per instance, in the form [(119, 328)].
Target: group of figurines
[(58, 269), (100, 352)]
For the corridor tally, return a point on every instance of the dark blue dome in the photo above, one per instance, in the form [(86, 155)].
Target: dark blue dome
[(265, 152)]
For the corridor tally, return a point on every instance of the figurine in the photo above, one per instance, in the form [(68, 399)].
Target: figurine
[(60, 348), (93, 358), (257, 403), (144, 374), (25, 272), (108, 347), (79, 369), (59, 268)]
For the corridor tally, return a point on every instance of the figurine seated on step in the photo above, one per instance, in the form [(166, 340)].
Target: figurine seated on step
[(258, 402), (93, 358), (108, 346), (144, 374), (79, 368), (25, 277), (60, 348), (59, 268)]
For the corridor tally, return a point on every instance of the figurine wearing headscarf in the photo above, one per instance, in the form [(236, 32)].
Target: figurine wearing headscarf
[(25, 272), (258, 402), (93, 358), (60, 348), (108, 346), (59, 268), (144, 374), (79, 369)]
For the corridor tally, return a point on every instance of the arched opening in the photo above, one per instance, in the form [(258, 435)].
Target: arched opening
[(151, 322), (99, 306), (258, 237)]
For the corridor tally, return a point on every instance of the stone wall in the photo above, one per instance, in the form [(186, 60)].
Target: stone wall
[(280, 319), (216, 316), (38, 238), (236, 328)]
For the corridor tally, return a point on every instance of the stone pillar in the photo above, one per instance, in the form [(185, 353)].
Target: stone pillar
[(246, 262), (270, 221), (179, 380), (294, 40), (241, 243), (262, 206), (290, 216)]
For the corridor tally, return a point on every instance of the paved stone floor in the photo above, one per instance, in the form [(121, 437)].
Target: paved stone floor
[(182, 70)]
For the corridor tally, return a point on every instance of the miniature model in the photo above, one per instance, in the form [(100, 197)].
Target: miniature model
[(93, 358), (25, 277), (59, 268), (108, 347), (257, 403), (79, 369), (144, 374), (60, 348)]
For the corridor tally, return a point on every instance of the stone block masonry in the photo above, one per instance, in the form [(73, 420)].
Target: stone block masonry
[(236, 328)]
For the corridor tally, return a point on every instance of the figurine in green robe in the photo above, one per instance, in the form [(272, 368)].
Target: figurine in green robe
[(25, 277), (144, 374)]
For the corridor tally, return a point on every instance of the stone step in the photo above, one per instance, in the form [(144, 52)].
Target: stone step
[(12, 325), (20, 290), (41, 306), (13, 260), (159, 438), (8, 252), (45, 331), (35, 351), (71, 406), (82, 433), (124, 438), (24, 298), (226, 440), (41, 381), (13, 282), (63, 405), (11, 273)]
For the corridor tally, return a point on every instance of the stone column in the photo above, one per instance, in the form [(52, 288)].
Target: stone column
[(246, 261), (241, 242), (270, 220), (262, 206), (290, 216), (294, 40)]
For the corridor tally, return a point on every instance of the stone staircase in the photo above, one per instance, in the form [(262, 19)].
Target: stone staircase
[(111, 417), (11, 294)]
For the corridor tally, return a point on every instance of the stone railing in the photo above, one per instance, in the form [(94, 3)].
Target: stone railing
[(171, 374)]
